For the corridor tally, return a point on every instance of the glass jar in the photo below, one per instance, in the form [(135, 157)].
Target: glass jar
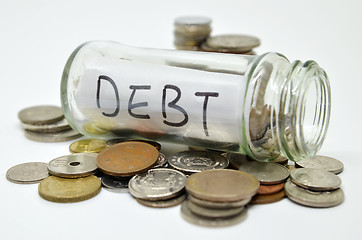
[(263, 106)]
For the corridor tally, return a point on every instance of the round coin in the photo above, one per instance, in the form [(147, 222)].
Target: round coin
[(157, 184), (322, 163), (32, 172), (313, 198), (240, 43), (127, 158), (237, 159), (270, 198), (120, 140), (266, 173), (41, 114), (163, 203), (73, 165), (161, 160), (315, 179), (213, 212), (210, 204), (222, 185), (270, 189), (197, 161), (59, 126), (49, 137), (119, 184), (87, 145)]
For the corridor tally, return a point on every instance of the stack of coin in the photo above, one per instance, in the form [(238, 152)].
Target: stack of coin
[(218, 197), (322, 163), (191, 31), (46, 124), (314, 188)]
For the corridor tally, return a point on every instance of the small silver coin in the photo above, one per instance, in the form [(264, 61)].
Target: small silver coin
[(161, 161), (163, 203), (62, 136), (213, 212), (211, 222), (41, 114), (315, 179), (192, 20), (197, 161), (322, 163), (59, 126), (266, 173), (240, 43), (157, 184), (32, 172), (115, 184), (313, 198), (219, 205), (73, 165)]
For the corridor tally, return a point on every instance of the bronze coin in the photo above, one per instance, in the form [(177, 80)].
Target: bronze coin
[(127, 158), (270, 189), (270, 198), (119, 140)]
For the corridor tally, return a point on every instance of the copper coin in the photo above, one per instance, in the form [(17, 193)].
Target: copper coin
[(270, 189), (127, 158), (222, 185), (270, 198), (120, 140)]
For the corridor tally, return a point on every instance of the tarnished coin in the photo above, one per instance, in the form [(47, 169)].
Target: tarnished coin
[(59, 126), (48, 137), (211, 222), (127, 158), (222, 185), (73, 165), (313, 198), (204, 47), (213, 212), (163, 203), (266, 173), (237, 159), (161, 160), (120, 140), (197, 161), (115, 184), (270, 189), (31, 172), (41, 114), (315, 179), (157, 184), (210, 204), (240, 43), (64, 190), (322, 163), (269, 198), (87, 145)]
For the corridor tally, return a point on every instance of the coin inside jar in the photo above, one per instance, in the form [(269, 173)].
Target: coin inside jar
[(87, 145)]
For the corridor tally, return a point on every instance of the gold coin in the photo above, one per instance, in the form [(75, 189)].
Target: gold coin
[(222, 185), (87, 145), (97, 128), (65, 190)]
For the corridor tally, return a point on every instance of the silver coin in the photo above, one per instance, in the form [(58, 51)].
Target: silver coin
[(161, 160), (237, 159), (41, 114), (266, 173), (119, 185), (322, 163), (313, 198), (59, 126), (32, 172), (213, 212), (315, 179), (157, 184), (62, 136), (211, 222), (163, 203), (238, 43), (73, 165), (197, 161), (220, 205), (192, 20)]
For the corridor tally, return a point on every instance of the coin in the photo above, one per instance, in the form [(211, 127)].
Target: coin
[(41, 114), (64, 190), (97, 128), (115, 184), (222, 185), (52, 137), (163, 203), (313, 198), (127, 158), (204, 47), (197, 161), (237, 159), (213, 212), (31, 172), (58, 126), (73, 165), (157, 184), (210, 204), (269, 198), (120, 140), (266, 173), (315, 179), (270, 189), (322, 163), (87, 145), (161, 160), (211, 222), (236, 42)]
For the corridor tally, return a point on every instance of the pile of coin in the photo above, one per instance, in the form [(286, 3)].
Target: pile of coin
[(46, 124)]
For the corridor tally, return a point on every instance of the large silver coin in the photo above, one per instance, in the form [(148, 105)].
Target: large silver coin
[(197, 161), (313, 198), (322, 163), (52, 137), (219, 205), (59, 126), (32, 172), (213, 212), (163, 203), (157, 184), (266, 173), (315, 179), (119, 184), (239, 43), (74, 165), (211, 222), (41, 114)]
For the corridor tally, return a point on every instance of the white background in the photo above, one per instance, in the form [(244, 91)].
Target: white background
[(36, 38)]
